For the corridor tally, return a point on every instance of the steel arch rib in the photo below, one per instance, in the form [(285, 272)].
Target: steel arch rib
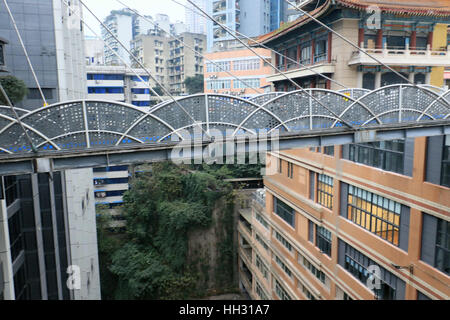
[(14, 121), (203, 123), (92, 131), (142, 119), (303, 117), (443, 97), (398, 110), (23, 117)]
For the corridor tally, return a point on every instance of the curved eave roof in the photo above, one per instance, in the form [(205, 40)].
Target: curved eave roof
[(432, 8)]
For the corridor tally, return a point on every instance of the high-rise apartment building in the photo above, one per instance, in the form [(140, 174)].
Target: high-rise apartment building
[(251, 18), (48, 233), (360, 221), (54, 41), (414, 46), (195, 22), (127, 27), (182, 62), (169, 60)]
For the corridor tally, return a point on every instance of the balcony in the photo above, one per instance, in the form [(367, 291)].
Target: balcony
[(219, 6), (294, 71), (394, 56)]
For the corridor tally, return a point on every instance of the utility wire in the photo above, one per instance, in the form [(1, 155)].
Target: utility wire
[(274, 67), (447, 105), (272, 50), (143, 67), (109, 47), (189, 47), (17, 118)]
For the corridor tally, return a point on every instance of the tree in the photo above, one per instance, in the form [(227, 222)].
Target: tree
[(194, 84), (15, 89), (158, 90)]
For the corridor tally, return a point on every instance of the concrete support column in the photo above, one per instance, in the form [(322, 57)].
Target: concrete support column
[(6, 283), (313, 50), (428, 78), (411, 76), (360, 36), (379, 40), (430, 40), (377, 79), (330, 44), (359, 79), (413, 41), (39, 236)]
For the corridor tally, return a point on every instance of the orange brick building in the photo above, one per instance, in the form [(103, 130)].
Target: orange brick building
[(326, 217), (241, 63)]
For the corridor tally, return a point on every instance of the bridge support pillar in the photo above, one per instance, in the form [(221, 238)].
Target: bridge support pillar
[(377, 79)]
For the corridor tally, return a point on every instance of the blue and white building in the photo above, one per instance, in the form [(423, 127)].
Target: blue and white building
[(118, 83), (249, 17)]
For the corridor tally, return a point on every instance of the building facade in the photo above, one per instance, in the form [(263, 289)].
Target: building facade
[(182, 62), (243, 64), (94, 51), (118, 83), (195, 22), (251, 18), (414, 44), (169, 60), (54, 41), (127, 27), (48, 234), (363, 221)]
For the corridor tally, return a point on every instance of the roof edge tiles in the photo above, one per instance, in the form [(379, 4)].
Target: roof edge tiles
[(436, 8)]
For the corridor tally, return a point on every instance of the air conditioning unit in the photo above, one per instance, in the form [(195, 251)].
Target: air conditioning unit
[(99, 182), (98, 81), (100, 194), (135, 96)]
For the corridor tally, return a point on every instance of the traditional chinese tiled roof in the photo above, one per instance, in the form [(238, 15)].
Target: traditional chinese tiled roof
[(434, 8)]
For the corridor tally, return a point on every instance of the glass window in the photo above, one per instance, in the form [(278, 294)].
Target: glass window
[(374, 213), (325, 191), (290, 172), (260, 292), (262, 267), (445, 172), (283, 241), (2, 56), (320, 50), (323, 240), (284, 211), (262, 221), (385, 155), (442, 257), (247, 83), (357, 263), (281, 293), (308, 265), (329, 150)]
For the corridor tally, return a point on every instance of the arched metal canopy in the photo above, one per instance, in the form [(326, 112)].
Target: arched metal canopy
[(87, 124)]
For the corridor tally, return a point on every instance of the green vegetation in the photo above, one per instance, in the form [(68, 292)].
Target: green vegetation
[(194, 84), (159, 257), (15, 88)]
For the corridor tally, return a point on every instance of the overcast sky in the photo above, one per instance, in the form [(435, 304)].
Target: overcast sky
[(102, 8)]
